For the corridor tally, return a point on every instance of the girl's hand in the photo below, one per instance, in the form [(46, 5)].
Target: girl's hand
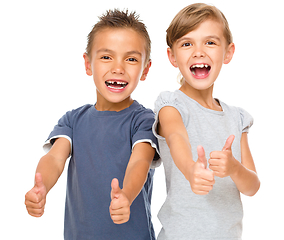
[(201, 179), (120, 206), (35, 199), (223, 163)]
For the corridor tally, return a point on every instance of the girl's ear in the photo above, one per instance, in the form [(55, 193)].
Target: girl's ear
[(229, 54), (171, 57), (146, 70), (88, 66)]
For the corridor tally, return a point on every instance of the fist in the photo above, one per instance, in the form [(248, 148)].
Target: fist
[(35, 199), (201, 179), (119, 208), (222, 163)]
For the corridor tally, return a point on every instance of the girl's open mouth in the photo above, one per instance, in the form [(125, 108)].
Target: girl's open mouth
[(200, 70)]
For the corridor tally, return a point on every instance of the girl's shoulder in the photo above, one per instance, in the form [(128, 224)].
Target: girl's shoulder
[(167, 98), (239, 114)]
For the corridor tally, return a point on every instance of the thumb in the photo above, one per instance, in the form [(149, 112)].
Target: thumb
[(38, 180), (115, 189), (229, 143), (201, 156)]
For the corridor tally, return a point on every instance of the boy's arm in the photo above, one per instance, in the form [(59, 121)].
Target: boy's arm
[(134, 180), (172, 128), (243, 174), (137, 169), (48, 171)]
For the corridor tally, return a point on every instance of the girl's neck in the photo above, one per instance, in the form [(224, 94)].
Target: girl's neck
[(203, 97)]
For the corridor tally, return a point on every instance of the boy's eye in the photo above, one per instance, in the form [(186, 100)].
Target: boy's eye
[(186, 44), (132, 60), (105, 57)]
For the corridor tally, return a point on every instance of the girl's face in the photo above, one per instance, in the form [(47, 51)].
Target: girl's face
[(200, 54)]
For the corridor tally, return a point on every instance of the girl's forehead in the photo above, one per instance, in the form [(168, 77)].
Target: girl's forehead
[(207, 28)]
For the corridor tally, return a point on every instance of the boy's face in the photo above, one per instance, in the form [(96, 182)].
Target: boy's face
[(200, 54), (117, 64)]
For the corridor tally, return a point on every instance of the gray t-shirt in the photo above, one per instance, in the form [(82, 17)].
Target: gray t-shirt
[(217, 215)]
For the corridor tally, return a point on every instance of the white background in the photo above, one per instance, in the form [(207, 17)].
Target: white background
[(42, 76)]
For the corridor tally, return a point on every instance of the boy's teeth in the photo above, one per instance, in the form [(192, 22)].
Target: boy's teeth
[(116, 84)]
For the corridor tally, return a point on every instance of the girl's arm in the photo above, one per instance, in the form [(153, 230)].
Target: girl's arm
[(172, 128), (134, 180), (243, 174), (48, 171)]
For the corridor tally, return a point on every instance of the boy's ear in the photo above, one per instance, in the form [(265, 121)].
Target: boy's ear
[(88, 66), (171, 57), (146, 70), (229, 54)]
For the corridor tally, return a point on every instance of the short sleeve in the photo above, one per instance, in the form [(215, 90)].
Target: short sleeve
[(62, 129), (142, 131), (246, 120), (169, 99)]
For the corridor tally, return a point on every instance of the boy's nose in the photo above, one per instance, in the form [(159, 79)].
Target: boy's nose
[(117, 68)]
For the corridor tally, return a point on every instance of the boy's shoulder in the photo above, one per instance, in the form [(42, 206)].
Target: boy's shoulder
[(138, 108), (135, 111)]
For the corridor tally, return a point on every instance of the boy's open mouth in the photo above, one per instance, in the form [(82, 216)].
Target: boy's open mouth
[(200, 70), (116, 84)]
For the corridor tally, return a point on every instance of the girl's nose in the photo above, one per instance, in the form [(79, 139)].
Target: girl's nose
[(198, 52)]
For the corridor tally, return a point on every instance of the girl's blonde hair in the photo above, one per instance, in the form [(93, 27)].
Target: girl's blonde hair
[(190, 17)]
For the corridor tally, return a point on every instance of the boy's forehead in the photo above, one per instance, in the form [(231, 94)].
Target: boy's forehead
[(124, 38)]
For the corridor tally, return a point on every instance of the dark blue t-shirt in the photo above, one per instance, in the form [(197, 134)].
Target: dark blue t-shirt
[(102, 143)]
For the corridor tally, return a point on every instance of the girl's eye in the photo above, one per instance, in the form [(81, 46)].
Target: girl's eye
[(186, 44), (210, 43)]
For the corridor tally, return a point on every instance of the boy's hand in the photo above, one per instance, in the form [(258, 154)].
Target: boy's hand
[(120, 206), (35, 199), (222, 163), (200, 178)]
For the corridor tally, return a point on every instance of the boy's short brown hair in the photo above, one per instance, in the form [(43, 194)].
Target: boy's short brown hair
[(189, 18), (120, 19)]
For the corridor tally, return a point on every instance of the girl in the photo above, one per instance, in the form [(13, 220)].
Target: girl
[(203, 142)]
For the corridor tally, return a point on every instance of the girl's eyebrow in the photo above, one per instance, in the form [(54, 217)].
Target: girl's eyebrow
[(215, 37), (190, 39), (104, 50), (183, 39)]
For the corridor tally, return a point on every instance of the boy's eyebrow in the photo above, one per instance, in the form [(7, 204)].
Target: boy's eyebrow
[(127, 53)]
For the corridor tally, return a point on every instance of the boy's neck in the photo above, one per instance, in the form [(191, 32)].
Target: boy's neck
[(103, 105), (203, 97)]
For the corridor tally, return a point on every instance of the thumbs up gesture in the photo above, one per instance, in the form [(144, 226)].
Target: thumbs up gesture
[(201, 179), (35, 199), (120, 206), (222, 163)]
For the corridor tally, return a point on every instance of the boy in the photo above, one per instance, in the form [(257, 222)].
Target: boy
[(203, 199), (109, 143)]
